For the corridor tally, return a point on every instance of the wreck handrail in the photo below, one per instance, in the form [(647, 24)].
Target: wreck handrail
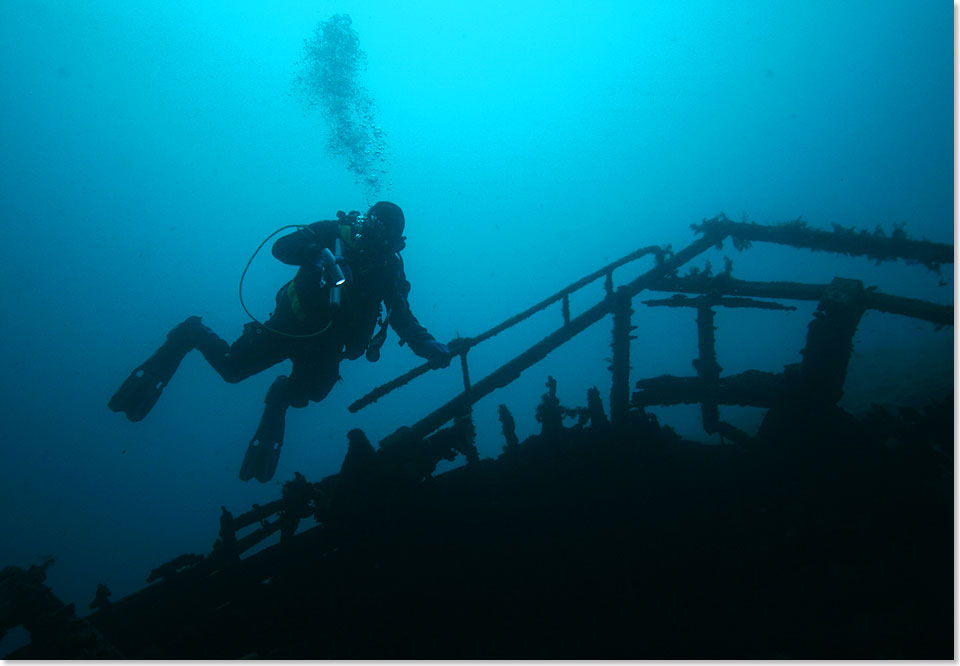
[(465, 344), (569, 289), (510, 370)]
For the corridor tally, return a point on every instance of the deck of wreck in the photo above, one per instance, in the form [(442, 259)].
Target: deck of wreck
[(821, 535)]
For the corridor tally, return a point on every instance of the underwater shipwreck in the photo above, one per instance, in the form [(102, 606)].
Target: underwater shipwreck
[(605, 536)]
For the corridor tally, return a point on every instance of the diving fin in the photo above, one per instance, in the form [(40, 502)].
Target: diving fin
[(139, 393), (263, 453)]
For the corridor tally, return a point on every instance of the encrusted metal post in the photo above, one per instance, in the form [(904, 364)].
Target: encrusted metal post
[(226, 545), (566, 309), (707, 367), (509, 428), (469, 449), (549, 412), (465, 370), (830, 340), (620, 368)]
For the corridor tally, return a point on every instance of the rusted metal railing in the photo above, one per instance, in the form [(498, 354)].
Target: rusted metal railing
[(463, 345), (720, 290), (510, 370)]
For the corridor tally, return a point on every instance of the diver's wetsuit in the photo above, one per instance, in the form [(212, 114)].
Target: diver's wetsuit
[(302, 308)]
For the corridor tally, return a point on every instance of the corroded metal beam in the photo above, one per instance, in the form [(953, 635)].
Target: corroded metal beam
[(680, 301), (620, 368), (936, 313), (706, 364), (848, 241), (753, 388)]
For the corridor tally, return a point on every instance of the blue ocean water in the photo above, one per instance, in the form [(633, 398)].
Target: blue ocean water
[(150, 147)]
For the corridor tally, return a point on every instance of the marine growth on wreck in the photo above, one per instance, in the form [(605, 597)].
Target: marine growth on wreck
[(634, 541)]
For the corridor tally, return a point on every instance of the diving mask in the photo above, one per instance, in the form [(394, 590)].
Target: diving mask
[(369, 232)]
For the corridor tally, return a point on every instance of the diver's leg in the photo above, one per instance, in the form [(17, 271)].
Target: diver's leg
[(311, 379), (254, 351)]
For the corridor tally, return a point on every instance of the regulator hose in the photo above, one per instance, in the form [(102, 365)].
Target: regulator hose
[(244, 274)]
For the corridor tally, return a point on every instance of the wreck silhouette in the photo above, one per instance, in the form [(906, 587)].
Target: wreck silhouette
[(821, 535)]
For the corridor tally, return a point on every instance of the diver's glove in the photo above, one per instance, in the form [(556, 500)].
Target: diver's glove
[(437, 353)]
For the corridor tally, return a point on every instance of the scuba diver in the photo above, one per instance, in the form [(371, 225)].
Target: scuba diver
[(326, 313)]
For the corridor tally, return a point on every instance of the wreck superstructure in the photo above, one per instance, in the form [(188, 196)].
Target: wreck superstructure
[(609, 538)]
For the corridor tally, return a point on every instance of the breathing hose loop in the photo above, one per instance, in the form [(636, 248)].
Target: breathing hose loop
[(244, 274)]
